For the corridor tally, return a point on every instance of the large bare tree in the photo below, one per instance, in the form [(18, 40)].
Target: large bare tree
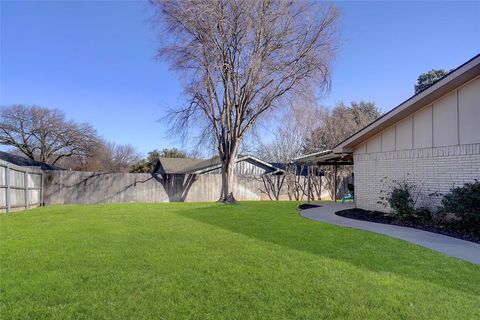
[(104, 157), (117, 157), (240, 59), (45, 134)]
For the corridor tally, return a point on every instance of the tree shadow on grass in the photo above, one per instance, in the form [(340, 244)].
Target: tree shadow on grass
[(280, 223)]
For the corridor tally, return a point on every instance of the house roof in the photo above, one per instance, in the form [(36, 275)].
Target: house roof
[(26, 162), (198, 166), (466, 72), (176, 165)]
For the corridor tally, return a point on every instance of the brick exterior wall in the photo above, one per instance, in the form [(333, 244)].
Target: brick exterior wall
[(430, 169)]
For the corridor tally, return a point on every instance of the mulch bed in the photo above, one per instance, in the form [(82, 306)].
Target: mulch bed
[(308, 206), (381, 217)]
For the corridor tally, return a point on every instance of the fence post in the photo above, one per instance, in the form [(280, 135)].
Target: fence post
[(42, 188), (26, 188), (7, 181)]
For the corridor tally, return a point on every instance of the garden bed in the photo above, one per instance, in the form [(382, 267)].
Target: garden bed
[(381, 217)]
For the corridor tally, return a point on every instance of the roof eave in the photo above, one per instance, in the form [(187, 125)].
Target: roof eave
[(456, 78), (312, 156)]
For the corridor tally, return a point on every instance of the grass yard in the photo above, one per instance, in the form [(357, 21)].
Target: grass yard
[(210, 261)]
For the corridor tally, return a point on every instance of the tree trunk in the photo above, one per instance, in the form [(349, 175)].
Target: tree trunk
[(227, 181)]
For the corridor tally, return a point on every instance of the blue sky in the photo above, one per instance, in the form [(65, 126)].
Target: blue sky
[(95, 59)]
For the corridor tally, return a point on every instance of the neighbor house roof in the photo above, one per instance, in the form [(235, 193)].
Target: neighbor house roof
[(175, 165), (26, 162), (466, 72), (198, 166)]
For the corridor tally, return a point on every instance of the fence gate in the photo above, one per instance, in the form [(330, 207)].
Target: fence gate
[(21, 188)]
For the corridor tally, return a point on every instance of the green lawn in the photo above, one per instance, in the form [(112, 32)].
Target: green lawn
[(211, 261)]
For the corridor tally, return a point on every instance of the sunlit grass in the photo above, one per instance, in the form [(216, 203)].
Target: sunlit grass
[(211, 261)]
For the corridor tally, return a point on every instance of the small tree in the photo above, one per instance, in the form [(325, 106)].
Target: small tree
[(272, 185)]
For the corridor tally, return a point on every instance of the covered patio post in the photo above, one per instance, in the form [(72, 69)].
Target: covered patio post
[(335, 182), (309, 186)]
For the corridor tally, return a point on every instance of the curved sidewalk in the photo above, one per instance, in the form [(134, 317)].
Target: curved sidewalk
[(461, 249)]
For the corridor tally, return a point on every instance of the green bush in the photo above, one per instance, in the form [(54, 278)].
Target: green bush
[(425, 215), (401, 200), (464, 203)]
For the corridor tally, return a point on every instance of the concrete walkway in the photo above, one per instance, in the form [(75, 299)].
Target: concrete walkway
[(461, 249)]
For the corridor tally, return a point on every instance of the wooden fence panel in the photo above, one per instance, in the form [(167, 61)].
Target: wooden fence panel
[(20, 187), (70, 187)]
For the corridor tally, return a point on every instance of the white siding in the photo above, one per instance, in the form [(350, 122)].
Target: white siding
[(469, 112), (451, 120), (445, 123), (374, 144), (388, 139), (403, 137), (361, 148), (422, 128)]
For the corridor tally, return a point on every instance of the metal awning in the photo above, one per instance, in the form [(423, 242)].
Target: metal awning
[(326, 157)]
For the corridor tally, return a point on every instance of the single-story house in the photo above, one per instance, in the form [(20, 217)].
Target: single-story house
[(431, 140), (245, 166)]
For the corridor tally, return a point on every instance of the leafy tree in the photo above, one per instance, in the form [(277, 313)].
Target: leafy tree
[(242, 59), (172, 153), (148, 164), (340, 123), (426, 79)]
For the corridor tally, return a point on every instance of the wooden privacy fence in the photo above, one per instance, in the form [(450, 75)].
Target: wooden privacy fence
[(73, 187), (20, 187), (27, 187)]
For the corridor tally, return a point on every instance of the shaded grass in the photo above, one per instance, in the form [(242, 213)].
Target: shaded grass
[(211, 261)]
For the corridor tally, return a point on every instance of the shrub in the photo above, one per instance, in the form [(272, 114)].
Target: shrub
[(402, 199), (464, 203), (424, 215)]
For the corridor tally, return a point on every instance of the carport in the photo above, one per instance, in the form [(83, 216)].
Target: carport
[(325, 158)]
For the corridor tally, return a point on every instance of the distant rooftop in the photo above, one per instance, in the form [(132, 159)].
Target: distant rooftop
[(190, 166), (26, 162), (177, 165)]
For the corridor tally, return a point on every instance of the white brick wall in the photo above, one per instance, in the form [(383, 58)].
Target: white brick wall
[(431, 169)]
